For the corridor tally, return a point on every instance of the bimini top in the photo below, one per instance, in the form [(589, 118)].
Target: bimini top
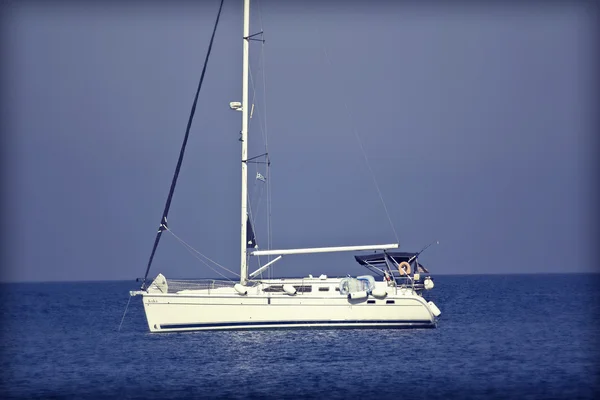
[(378, 259)]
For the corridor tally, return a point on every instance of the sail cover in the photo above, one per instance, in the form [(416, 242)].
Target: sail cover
[(378, 260)]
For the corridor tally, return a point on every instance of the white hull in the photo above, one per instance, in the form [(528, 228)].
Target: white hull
[(287, 303), (224, 308)]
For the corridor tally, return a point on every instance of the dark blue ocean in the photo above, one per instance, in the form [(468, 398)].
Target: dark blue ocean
[(514, 336)]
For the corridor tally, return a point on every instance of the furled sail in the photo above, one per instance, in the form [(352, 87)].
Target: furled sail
[(163, 220), (250, 236)]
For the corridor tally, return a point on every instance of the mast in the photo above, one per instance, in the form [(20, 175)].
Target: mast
[(244, 138)]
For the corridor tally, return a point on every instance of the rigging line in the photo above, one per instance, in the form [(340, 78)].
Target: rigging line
[(254, 189), (191, 249), (260, 123), (269, 216), (260, 193), (254, 216), (269, 202), (263, 136), (122, 319), (205, 263), (266, 133), (250, 213), (374, 178), (263, 132), (163, 221), (364, 153), (250, 216), (253, 89), (254, 86), (256, 169), (254, 100), (253, 224), (255, 157)]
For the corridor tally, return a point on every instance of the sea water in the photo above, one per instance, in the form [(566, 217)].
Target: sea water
[(513, 336)]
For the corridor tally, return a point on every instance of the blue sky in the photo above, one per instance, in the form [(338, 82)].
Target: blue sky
[(477, 123)]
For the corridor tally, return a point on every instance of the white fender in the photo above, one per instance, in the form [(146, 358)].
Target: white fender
[(379, 293), (289, 289), (358, 295), (428, 283), (434, 310), (241, 289)]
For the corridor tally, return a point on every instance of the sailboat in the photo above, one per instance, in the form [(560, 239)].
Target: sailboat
[(392, 300)]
